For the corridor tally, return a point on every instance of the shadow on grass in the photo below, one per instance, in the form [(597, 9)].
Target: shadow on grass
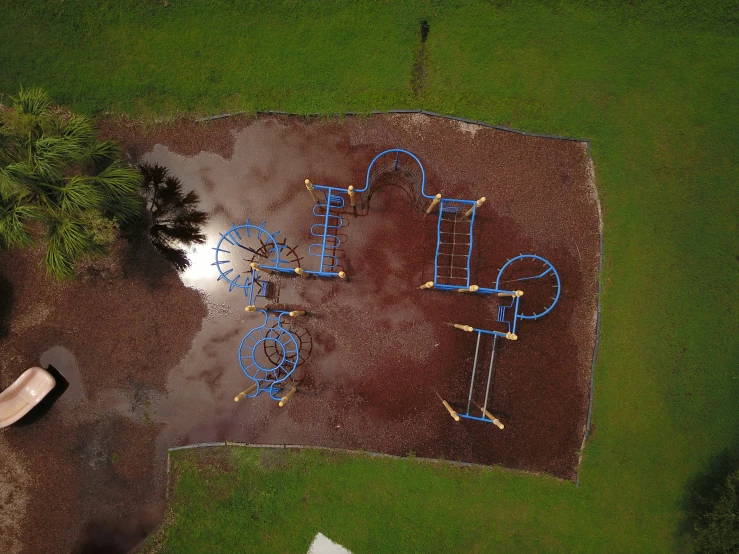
[(704, 489)]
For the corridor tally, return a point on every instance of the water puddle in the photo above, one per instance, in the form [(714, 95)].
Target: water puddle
[(66, 364), (264, 181)]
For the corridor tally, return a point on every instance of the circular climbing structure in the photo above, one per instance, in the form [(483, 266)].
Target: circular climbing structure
[(269, 354), (243, 246), (539, 280)]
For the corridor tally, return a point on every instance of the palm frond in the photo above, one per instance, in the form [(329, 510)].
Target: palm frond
[(78, 128), (78, 194), (101, 154), (32, 101), (9, 144), (125, 209), (118, 180), (27, 183), (57, 262), (69, 234), (52, 155), (10, 185), (13, 223)]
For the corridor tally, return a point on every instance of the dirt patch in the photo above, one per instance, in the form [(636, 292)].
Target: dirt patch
[(186, 136), (15, 482), (381, 348), (419, 74), (95, 484)]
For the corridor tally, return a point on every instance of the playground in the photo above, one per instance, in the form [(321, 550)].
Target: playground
[(379, 352), (376, 351)]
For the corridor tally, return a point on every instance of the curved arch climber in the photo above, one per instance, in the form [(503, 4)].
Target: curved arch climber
[(396, 160)]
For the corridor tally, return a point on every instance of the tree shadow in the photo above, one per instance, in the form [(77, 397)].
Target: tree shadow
[(175, 221), (104, 536), (704, 489), (169, 222), (7, 295), (140, 259)]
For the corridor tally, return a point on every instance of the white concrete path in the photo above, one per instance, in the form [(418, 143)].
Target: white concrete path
[(323, 545)]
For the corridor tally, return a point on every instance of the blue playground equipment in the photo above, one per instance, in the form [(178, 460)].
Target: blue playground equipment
[(454, 246), (547, 269), (269, 354), (241, 246), (542, 270), (326, 231)]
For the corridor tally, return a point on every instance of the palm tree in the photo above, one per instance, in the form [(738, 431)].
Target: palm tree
[(59, 183), (175, 219)]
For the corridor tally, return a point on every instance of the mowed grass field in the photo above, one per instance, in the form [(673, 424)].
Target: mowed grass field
[(655, 86)]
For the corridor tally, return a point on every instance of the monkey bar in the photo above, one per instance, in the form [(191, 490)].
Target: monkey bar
[(484, 414), (326, 231), (454, 243)]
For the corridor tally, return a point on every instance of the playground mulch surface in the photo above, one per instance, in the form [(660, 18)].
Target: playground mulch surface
[(157, 359)]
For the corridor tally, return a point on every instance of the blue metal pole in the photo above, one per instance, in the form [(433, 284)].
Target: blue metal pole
[(490, 374), (438, 243), (474, 369), (469, 252), (325, 228)]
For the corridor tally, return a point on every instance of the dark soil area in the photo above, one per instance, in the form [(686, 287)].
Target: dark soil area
[(381, 348), (93, 483)]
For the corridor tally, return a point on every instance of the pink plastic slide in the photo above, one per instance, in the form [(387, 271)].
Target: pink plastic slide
[(27, 391)]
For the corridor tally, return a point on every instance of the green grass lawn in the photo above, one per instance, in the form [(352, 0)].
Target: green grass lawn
[(655, 88)]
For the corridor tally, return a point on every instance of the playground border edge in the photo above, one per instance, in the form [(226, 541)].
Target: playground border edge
[(377, 112), (368, 453)]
